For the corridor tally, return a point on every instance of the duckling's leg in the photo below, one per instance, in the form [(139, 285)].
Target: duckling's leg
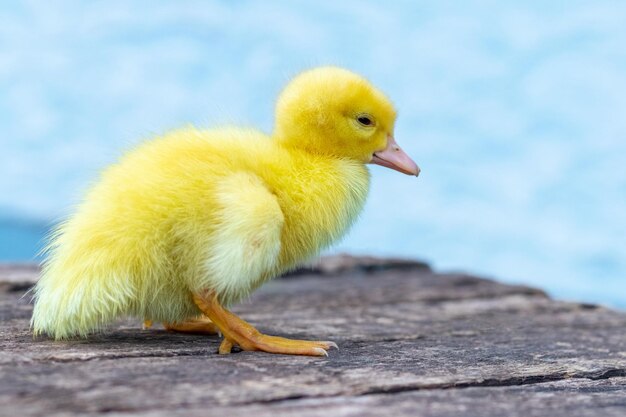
[(238, 332), (200, 325)]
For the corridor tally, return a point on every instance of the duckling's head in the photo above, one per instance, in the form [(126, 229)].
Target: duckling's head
[(332, 111)]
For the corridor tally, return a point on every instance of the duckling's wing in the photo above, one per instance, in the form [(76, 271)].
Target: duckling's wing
[(243, 250)]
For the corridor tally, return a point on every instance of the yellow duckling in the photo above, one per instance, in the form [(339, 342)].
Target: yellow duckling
[(197, 219)]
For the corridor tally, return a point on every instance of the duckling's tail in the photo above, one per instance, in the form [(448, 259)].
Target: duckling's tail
[(77, 300), (77, 293)]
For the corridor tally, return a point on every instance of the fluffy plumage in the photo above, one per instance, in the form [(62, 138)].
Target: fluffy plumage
[(223, 209)]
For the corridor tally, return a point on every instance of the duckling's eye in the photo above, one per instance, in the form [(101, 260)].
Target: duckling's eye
[(365, 120)]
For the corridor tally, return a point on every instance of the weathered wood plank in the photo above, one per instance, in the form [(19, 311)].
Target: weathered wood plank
[(412, 341)]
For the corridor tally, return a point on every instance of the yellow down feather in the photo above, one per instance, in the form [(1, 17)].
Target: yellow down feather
[(223, 209)]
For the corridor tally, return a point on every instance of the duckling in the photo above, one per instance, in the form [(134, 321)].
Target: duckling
[(190, 222)]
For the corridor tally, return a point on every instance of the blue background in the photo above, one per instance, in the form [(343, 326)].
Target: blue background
[(516, 114)]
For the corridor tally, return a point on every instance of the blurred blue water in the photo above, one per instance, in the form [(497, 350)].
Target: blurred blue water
[(20, 240), (515, 113)]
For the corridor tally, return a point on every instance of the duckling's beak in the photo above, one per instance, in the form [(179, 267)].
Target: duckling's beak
[(395, 158)]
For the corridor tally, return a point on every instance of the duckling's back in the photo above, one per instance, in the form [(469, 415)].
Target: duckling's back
[(131, 243)]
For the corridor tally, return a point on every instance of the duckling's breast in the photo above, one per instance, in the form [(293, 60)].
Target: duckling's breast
[(320, 201)]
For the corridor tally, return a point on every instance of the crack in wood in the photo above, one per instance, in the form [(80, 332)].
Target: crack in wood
[(486, 383)]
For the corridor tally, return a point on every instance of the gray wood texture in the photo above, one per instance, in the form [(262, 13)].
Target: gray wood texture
[(412, 343)]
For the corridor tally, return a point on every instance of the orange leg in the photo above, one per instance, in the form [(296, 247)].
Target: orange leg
[(200, 325), (238, 332)]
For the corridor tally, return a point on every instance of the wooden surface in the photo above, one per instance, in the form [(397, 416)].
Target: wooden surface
[(412, 343)]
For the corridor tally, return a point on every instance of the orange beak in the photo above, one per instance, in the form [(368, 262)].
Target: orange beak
[(395, 158)]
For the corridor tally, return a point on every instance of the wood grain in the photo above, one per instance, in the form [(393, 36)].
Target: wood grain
[(412, 343)]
